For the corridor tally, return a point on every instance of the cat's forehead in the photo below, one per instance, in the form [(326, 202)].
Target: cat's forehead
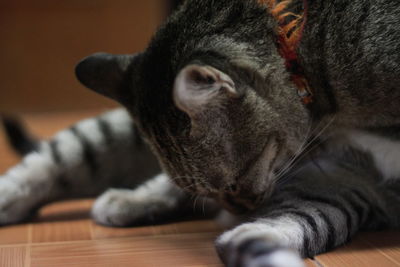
[(212, 35)]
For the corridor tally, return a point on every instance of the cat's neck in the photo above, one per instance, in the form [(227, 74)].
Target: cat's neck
[(344, 82), (289, 33)]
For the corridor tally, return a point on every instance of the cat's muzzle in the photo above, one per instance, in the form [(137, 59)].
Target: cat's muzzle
[(240, 203)]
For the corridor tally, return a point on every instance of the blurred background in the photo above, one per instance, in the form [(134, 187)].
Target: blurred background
[(41, 41)]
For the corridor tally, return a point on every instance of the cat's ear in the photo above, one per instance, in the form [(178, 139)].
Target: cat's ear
[(197, 86), (104, 73)]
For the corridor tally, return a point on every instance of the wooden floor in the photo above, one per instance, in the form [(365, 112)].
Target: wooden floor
[(63, 234)]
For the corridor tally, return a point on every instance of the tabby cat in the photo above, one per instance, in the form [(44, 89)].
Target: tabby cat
[(216, 97)]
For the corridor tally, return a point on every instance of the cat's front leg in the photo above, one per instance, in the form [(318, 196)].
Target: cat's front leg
[(321, 208), (152, 200), (301, 222), (156, 201)]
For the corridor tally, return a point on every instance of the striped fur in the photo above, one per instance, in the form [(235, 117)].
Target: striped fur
[(81, 161), (304, 180), (323, 206), (325, 200)]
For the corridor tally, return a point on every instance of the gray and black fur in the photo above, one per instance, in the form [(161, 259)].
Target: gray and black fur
[(213, 100)]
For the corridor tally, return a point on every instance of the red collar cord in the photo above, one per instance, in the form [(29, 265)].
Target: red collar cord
[(289, 34)]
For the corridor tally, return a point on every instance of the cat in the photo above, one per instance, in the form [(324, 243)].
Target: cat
[(301, 144)]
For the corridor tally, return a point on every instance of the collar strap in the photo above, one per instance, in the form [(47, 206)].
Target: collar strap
[(289, 33)]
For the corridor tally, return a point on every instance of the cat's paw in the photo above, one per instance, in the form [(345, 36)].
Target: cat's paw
[(246, 247), (259, 253), (15, 202), (123, 207), (114, 208)]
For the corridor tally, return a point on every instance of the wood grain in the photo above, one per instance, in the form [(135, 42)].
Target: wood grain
[(13, 256), (359, 254), (16, 234), (386, 243), (172, 250)]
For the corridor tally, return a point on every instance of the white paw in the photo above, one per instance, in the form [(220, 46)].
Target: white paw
[(279, 258), (122, 207), (112, 208), (256, 245), (259, 253), (16, 202)]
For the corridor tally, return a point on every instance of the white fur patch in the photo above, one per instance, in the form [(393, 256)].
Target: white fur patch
[(280, 258), (120, 121), (120, 207), (69, 147), (386, 152), (90, 130), (284, 232)]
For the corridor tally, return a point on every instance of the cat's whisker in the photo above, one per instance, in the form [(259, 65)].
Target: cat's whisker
[(187, 187), (319, 135), (310, 143), (203, 208), (296, 159), (288, 177), (283, 179), (195, 202), (297, 153)]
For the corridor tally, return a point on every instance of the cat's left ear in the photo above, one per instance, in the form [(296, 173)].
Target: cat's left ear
[(196, 87), (105, 73)]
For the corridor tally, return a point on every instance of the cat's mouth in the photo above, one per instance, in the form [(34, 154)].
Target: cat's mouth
[(240, 204), (249, 196)]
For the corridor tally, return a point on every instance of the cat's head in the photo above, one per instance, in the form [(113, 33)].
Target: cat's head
[(212, 98)]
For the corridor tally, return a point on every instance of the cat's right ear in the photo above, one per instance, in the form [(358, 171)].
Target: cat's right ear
[(105, 73), (196, 87)]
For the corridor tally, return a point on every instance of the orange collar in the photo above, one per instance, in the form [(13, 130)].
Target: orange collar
[(290, 30)]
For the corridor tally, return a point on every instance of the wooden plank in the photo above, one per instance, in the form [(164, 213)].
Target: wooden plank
[(13, 256), (171, 250), (388, 243), (102, 232), (66, 210), (312, 263), (61, 231), (189, 257), (15, 234), (356, 254)]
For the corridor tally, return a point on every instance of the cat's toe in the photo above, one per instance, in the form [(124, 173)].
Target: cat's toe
[(112, 209), (259, 253), (120, 208)]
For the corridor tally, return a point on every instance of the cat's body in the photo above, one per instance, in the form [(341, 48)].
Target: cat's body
[(213, 99)]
